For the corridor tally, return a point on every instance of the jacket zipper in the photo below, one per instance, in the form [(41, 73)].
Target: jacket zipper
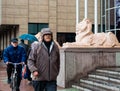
[(49, 66)]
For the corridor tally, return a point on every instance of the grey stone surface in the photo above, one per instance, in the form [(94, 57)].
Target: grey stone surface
[(77, 62)]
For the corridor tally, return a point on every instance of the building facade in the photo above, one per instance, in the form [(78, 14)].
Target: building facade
[(110, 16), (30, 16)]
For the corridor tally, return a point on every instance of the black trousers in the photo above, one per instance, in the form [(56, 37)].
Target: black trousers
[(10, 68), (44, 85), (29, 74)]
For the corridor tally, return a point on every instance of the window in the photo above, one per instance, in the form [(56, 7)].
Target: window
[(34, 28), (65, 37), (110, 16)]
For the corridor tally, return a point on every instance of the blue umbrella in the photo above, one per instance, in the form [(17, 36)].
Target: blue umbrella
[(28, 37)]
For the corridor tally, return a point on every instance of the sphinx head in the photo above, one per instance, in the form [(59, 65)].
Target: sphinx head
[(84, 25)]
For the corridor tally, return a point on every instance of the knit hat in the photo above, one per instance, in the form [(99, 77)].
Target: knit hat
[(45, 31)]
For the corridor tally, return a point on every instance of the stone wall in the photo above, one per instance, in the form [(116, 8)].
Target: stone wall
[(77, 62)]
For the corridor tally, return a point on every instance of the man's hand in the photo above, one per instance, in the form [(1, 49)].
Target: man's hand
[(23, 63), (7, 63), (35, 73)]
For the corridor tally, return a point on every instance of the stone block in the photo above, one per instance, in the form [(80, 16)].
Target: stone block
[(76, 63)]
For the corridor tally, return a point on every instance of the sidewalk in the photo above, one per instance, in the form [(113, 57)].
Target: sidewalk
[(23, 87), (3, 81)]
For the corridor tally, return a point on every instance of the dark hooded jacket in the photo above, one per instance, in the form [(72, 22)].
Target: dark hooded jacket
[(47, 63)]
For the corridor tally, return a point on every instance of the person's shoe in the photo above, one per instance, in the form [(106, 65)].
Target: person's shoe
[(9, 81)]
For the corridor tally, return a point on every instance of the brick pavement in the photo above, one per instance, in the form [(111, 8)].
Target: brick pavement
[(5, 87), (3, 81)]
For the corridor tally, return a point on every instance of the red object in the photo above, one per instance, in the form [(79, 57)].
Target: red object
[(23, 70)]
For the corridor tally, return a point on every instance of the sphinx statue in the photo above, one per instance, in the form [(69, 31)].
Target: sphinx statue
[(85, 37)]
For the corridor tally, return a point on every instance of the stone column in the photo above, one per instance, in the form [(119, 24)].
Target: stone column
[(95, 15), (77, 11), (86, 9)]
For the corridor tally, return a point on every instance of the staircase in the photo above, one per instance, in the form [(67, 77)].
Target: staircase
[(104, 79)]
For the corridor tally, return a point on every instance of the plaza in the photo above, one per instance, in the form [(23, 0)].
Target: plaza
[(19, 17)]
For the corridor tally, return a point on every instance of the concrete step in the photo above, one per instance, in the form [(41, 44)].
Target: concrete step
[(82, 87), (105, 79), (105, 76), (114, 72), (106, 82), (89, 87), (100, 85)]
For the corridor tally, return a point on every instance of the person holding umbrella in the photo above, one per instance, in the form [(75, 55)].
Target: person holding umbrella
[(25, 46), (27, 74), (44, 62)]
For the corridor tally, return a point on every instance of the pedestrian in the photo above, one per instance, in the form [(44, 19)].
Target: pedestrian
[(27, 74), (15, 54), (44, 62), (25, 46)]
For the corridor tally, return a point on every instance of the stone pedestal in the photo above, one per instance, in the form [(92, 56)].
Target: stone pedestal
[(77, 62)]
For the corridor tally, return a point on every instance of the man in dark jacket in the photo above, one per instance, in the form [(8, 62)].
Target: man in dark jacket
[(14, 54), (44, 62), (25, 46), (27, 49)]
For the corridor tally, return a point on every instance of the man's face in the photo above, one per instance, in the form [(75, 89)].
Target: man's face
[(14, 44), (47, 37)]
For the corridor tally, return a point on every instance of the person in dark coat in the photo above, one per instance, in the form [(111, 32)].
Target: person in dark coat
[(15, 54), (25, 46), (27, 74), (44, 62)]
